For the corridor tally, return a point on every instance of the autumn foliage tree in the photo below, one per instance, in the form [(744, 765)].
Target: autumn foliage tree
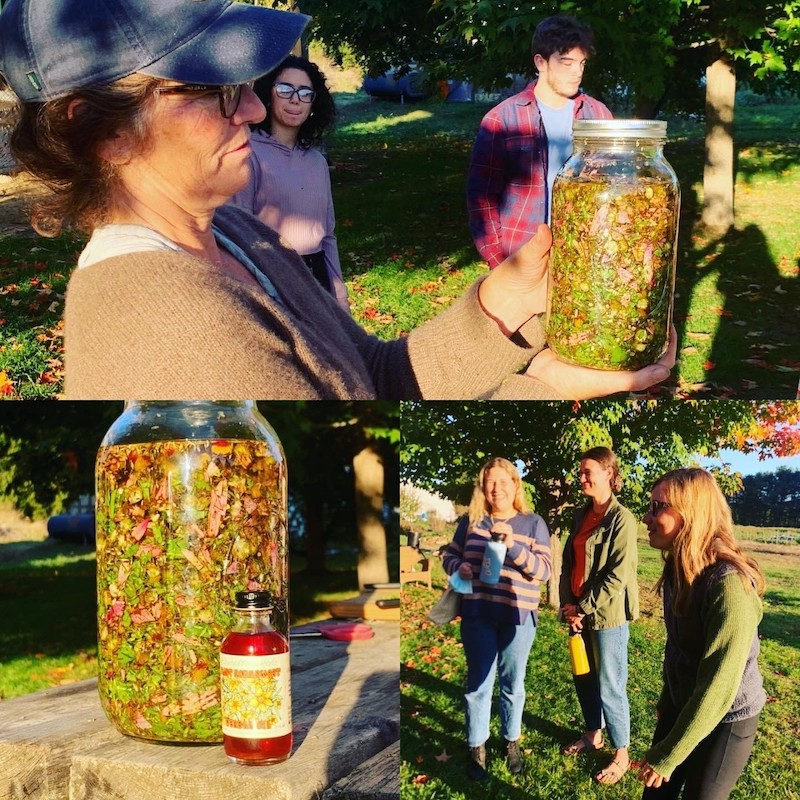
[(445, 444)]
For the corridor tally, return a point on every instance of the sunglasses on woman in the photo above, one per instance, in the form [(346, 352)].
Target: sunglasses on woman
[(286, 91), (657, 506), (230, 95)]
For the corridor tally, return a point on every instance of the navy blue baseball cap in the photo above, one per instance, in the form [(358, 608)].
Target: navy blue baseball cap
[(50, 48)]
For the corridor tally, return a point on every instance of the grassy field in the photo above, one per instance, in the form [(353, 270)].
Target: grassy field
[(398, 174), (47, 593), (433, 673)]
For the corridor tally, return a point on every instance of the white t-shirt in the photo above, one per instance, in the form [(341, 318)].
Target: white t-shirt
[(558, 127), (108, 241)]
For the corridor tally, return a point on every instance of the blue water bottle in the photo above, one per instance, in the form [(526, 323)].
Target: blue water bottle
[(493, 558)]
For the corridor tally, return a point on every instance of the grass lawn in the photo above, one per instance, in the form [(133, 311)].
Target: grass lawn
[(48, 632), (433, 673), (399, 181)]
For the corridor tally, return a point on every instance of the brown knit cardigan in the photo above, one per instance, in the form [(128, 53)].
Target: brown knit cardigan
[(167, 325)]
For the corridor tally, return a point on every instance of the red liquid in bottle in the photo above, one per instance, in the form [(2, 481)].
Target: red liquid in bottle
[(268, 750)]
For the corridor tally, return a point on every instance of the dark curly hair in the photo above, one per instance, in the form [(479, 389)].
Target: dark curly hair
[(559, 34), (323, 109)]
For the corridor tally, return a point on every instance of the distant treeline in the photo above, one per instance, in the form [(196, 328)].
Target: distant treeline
[(770, 499)]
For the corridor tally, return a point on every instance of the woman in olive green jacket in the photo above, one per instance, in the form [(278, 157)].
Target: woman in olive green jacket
[(599, 597)]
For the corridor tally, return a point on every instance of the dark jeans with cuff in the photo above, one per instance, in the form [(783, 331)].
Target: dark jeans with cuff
[(713, 767)]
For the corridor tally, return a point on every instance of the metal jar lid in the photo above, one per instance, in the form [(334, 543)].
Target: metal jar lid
[(619, 129)]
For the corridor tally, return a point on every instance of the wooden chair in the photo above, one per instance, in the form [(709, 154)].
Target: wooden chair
[(414, 565)]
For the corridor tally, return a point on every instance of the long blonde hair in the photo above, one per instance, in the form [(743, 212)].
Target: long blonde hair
[(705, 536), (479, 507)]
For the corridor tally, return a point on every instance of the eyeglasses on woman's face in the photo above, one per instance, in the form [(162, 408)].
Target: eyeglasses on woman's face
[(230, 95), (657, 506), (305, 94)]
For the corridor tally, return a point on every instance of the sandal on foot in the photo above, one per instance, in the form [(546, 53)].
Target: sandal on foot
[(582, 745), (613, 772)]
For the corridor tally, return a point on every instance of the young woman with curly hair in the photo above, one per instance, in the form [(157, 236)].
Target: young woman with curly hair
[(290, 185)]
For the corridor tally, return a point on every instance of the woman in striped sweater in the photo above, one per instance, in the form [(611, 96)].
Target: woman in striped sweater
[(498, 621)]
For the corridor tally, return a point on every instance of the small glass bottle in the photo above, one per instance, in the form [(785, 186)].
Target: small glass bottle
[(614, 219), (255, 680)]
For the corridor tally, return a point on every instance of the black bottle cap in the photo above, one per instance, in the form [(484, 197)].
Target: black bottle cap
[(248, 600)]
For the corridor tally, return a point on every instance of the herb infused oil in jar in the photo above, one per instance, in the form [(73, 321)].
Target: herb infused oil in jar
[(191, 509), (255, 677), (614, 220)]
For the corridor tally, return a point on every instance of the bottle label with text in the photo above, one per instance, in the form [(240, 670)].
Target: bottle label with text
[(256, 702)]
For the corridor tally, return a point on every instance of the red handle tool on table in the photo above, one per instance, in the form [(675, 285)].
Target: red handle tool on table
[(341, 632)]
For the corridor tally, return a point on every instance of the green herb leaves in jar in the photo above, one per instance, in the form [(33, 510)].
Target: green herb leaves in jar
[(612, 266), (181, 527)]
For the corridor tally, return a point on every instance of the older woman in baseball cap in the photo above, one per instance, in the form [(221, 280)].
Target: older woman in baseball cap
[(136, 113)]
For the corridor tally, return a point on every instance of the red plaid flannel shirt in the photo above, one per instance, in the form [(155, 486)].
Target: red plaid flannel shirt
[(507, 179)]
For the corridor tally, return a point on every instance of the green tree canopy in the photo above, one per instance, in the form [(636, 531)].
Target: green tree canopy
[(650, 54), (445, 444)]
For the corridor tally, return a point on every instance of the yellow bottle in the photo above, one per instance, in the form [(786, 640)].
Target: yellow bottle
[(577, 654)]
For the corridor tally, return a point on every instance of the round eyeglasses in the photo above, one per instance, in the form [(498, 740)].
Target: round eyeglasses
[(230, 95), (286, 91)]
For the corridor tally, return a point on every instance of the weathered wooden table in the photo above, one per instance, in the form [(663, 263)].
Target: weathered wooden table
[(58, 745)]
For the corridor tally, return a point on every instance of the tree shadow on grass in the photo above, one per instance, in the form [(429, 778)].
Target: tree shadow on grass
[(754, 354), (49, 610), (780, 626), (434, 742), (745, 345)]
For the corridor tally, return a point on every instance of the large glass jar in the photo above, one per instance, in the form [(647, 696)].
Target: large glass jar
[(191, 508), (614, 219)]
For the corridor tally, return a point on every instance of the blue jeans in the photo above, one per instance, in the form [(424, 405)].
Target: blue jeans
[(495, 648), (602, 691)]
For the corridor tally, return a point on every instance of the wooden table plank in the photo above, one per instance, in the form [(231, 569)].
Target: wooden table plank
[(40, 734), (376, 779), (346, 709)]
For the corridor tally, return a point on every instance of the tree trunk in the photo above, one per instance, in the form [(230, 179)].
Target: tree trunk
[(373, 566), (717, 216), (555, 573)]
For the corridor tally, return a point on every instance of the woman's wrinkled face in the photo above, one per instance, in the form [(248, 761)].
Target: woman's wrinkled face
[(662, 520), (595, 479), (499, 490), (197, 159), (290, 112)]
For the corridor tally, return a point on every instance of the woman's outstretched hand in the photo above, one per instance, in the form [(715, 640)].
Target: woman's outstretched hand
[(516, 289), (581, 383)]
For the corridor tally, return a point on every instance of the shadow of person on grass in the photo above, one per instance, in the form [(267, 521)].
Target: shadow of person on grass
[(434, 745), (744, 344), (753, 352)]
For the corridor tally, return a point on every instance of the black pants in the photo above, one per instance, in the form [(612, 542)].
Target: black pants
[(316, 263), (713, 767)]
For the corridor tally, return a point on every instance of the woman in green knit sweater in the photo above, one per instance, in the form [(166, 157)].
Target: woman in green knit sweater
[(713, 694)]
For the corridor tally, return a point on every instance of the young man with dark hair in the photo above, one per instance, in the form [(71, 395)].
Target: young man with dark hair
[(523, 142)]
